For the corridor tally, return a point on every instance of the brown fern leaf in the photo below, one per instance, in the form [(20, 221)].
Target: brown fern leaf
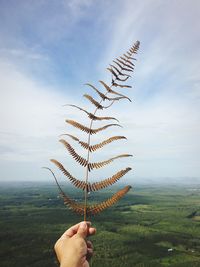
[(117, 76), (78, 125), (94, 186), (88, 130), (121, 66), (98, 165), (73, 205), (135, 48), (103, 96), (109, 181), (94, 131), (73, 180), (93, 148), (133, 51), (76, 207), (95, 209), (128, 57), (93, 101), (83, 144), (97, 104), (83, 162), (121, 85), (118, 71), (105, 142), (72, 152), (72, 136), (92, 116), (74, 106), (128, 61), (112, 91), (113, 72), (125, 64)]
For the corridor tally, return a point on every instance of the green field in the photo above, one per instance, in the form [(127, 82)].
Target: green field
[(151, 226)]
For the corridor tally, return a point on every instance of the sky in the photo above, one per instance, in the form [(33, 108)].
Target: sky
[(50, 49)]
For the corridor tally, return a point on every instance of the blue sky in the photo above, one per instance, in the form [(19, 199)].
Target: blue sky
[(50, 49)]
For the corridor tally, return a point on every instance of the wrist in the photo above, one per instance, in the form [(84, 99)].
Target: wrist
[(68, 263)]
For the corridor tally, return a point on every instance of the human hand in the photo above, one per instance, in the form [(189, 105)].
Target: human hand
[(72, 249)]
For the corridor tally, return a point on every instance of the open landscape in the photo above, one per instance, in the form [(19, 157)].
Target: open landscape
[(151, 226), (93, 90)]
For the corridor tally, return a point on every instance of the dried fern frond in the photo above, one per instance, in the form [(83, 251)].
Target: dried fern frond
[(76, 207), (83, 144), (125, 64), (93, 148), (105, 142), (128, 57), (97, 118), (93, 101), (88, 186), (121, 66), (112, 91), (93, 210), (73, 205), (120, 71), (117, 75), (79, 208), (98, 165), (88, 130), (97, 104), (73, 153), (109, 181), (128, 61), (82, 109), (75, 181), (92, 116), (84, 162), (103, 96), (121, 85)]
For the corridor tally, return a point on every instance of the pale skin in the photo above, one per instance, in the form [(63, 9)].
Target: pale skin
[(72, 248)]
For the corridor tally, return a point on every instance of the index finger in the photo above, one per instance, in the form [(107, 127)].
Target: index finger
[(73, 230)]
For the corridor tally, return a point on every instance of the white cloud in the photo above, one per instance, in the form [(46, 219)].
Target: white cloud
[(22, 54), (163, 133), (31, 116)]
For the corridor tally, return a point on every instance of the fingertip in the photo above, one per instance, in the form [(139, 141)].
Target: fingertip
[(92, 231), (83, 225)]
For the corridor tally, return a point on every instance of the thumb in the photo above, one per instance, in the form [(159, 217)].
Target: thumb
[(83, 230)]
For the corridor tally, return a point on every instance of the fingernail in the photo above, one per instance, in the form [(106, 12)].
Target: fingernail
[(83, 225)]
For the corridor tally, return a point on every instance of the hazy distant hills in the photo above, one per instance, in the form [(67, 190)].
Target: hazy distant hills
[(167, 181)]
